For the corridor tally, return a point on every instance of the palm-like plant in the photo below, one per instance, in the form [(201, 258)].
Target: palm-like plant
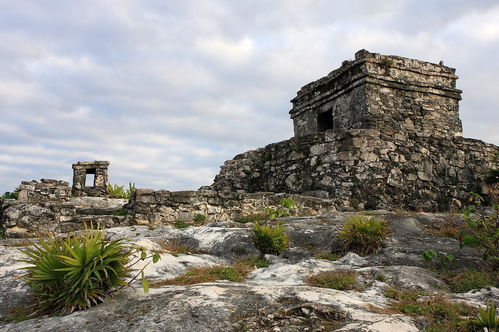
[(78, 271)]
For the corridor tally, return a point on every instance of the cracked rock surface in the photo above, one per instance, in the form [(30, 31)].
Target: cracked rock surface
[(275, 298)]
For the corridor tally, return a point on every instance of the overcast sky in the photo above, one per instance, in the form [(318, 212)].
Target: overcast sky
[(168, 90)]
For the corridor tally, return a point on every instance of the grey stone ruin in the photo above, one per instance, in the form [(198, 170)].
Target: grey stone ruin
[(82, 169)]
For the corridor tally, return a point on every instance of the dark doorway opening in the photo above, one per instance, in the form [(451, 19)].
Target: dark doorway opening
[(325, 121), (90, 178)]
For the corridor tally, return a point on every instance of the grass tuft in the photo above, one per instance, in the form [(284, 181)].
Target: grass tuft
[(363, 234), (197, 275), (341, 280), (269, 239)]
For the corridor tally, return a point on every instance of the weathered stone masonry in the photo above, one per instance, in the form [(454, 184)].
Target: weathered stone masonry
[(162, 206), (100, 171), (380, 132)]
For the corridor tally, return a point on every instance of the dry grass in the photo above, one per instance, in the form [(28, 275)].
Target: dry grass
[(341, 280), (197, 275), (174, 248), (442, 315), (448, 229)]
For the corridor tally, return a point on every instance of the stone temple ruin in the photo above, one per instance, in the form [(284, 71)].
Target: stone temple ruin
[(379, 132), (99, 169)]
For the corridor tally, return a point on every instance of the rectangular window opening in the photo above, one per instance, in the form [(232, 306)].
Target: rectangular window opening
[(325, 121)]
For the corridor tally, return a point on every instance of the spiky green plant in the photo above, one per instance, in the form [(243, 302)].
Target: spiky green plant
[(270, 240), (487, 318), (363, 234), (115, 191), (79, 270)]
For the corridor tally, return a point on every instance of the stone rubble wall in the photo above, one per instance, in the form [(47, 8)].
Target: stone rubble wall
[(23, 219), (43, 191), (366, 168), (153, 207)]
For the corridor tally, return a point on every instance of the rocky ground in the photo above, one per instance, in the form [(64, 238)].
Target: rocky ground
[(273, 298)]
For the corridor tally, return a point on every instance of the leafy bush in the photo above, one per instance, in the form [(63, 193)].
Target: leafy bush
[(430, 254), (115, 191), (464, 281), (180, 224), (270, 240), (341, 280), (363, 234), (11, 195), (199, 218), (282, 211), (481, 229), (493, 173), (487, 318), (441, 314), (79, 270)]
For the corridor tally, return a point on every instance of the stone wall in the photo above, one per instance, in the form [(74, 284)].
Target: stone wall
[(22, 219), (45, 190), (366, 168), (163, 206), (381, 92)]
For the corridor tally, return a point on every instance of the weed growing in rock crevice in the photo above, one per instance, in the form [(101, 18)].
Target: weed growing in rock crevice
[(442, 315), (197, 275), (270, 239), (363, 234), (481, 229), (341, 280)]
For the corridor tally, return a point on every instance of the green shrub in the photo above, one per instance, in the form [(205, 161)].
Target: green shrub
[(387, 62), (430, 254), (442, 315), (181, 224), (341, 280), (481, 229), (11, 195), (270, 240), (79, 270), (493, 173), (199, 218), (464, 281), (115, 191), (363, 234), (282, 211), (487, 318)]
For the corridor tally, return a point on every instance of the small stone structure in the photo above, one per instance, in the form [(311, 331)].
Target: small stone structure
[(45, 190), (81, 170), (379, 132)]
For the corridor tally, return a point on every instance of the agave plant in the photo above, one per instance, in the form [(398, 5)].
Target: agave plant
[(79, 270)]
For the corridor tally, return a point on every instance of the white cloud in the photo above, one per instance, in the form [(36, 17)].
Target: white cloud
[(167, 91)]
